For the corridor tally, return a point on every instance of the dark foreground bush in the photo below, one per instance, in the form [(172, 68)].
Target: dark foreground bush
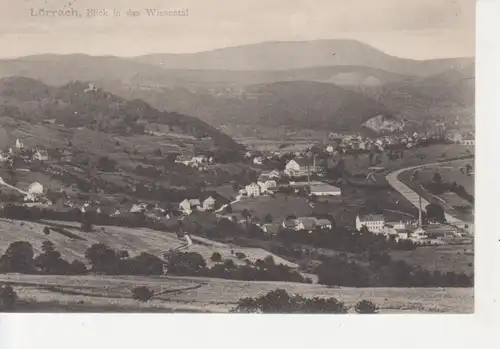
[(280, 301), (366, 307), (8, 298), (142, 293)]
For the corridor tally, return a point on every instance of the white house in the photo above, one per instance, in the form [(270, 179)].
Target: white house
[(300, 167), (374, 222), (35, 188), (324, 189), (257, 160), (208, 203), (252, 189), (185, 207), (468, 140), (265, 182), (40, 155)]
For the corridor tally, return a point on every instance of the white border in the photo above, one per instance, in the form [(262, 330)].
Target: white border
[(84, 331)]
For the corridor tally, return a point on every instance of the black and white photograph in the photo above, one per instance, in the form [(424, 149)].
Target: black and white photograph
[(190, 156)]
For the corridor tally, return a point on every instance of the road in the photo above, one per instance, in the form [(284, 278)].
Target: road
[(2, 182), (413, 197)]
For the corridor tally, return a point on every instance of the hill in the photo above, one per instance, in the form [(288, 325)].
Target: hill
[(75, 105), (300, 54), (297, 104)]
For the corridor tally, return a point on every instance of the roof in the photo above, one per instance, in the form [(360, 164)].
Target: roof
[(372, 217), (194, 202), (324, 188), (303, 161)]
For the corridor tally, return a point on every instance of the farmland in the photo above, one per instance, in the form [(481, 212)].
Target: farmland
[(445, 258), (216, 295)]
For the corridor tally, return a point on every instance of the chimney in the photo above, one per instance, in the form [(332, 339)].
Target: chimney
[(420, 211)]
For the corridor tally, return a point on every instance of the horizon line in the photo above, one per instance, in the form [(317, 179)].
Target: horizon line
[(222, 48)]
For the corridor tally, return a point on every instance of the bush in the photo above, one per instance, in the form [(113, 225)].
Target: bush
[(77, 268), (142, 293), (18, 258), (366, 307), (240, 255), (8, 298), (46, 231), (279, 301), (216, 257)]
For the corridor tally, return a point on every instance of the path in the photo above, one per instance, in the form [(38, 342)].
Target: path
[(413, 197), (2, 182)]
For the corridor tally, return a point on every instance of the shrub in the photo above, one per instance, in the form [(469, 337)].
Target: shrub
[(77, 268), (366, 307), (46, 231), (240, 255), (216, 257), (8, 298), (279, 301), (142, 293)]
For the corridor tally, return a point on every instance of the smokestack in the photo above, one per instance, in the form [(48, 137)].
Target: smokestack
[(420, 211)]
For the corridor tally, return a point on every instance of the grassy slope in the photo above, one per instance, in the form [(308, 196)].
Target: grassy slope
[(134, 240)]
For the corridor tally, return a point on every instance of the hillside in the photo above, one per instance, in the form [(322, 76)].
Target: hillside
[(74, 105), (298, 104), (300, 54)]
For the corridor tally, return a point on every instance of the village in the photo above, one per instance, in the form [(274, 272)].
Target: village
[(304, 175)]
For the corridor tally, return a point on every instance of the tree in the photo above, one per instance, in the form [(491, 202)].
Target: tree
[(18, 258), (147, 264), (229, 208), (246, 214), (46, 231), (185, 263), (268, 218), (435, 213), (216, 257), (8, 298), (366, 307), (86, 225), (240, 255), (48, 246), (437, 178), (142, 293), (77, 268), (102, 258)]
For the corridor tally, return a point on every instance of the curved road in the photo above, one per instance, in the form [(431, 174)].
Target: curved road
[(413, 197)]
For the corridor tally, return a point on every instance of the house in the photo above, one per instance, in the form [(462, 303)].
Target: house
[(300, 167), (185, 207), (208, 204), (306, 223), (138, 208), (468, 140), (19, 144), (271, 174), (40, 155), (35, 188), (265, 183), (257, 160), (324, 189), (252, 189), (374, 222)]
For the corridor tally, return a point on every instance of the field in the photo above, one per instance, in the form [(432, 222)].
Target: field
[(359, 164), (133, 240), (278, 207), (215, 295), (443, 258)]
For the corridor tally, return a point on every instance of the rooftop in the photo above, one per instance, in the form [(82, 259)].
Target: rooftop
[(372, 217), (324, 187)]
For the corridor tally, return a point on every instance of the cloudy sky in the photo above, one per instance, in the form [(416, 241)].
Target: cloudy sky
[(419, 29)]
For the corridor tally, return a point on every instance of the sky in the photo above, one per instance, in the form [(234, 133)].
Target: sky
[(418, 29)]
